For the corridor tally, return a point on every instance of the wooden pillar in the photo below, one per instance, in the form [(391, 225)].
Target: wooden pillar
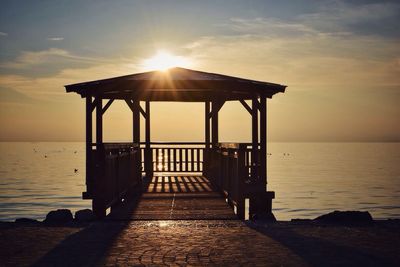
[(254, 137), (207, 124), (136, 122), (89, 141), (99, 121), (98, 204), (263, 140), (214, 122), (148, 164), (207, 152)]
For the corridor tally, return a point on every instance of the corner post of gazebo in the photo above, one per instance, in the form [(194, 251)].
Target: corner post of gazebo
[(98, 204), (263, 141), (136, 121), (214, 123), (89, 141), (206, 157), (254, 138), (148, 156)]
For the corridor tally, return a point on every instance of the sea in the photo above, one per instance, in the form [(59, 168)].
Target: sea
[(309, 179)]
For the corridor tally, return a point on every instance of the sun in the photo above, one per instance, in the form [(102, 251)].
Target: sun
[(164, 61)]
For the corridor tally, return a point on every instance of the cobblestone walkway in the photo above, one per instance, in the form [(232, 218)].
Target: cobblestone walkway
[(196, 243)]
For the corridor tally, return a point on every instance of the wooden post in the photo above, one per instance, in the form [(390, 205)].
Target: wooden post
[(254, 139), (136, 121), (206, 155), (263, 140), (207, 124), (99, 121), (214, 122), (99, 206), (148, 164), (89, 141), (135, 107)]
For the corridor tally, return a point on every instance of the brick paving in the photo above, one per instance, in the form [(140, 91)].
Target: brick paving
[(196, 243)]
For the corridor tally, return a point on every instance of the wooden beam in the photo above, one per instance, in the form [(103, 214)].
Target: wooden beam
[(99, 121), (207, 124), (216, 107), (89, 141), (107, 105), (142, 111), (130, 104), (93, 104), (148, 155), (254, 137), (263, 140), (246, 106), (147, 117), (136, 121)]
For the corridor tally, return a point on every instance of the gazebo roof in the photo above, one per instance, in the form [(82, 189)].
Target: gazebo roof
[(176, 84)]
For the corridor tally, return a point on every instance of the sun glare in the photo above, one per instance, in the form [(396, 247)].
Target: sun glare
[(164, 61)]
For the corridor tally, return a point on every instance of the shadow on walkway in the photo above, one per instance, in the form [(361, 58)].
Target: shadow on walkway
[(320, 252)]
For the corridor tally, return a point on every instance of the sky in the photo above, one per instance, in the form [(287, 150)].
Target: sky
[(339, 59)]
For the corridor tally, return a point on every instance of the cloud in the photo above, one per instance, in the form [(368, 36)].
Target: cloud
[(55, 38), (51, 88), (3, 34), (310, 60), (27, 59)]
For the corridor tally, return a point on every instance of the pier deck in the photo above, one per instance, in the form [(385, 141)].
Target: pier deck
[(176, 197)]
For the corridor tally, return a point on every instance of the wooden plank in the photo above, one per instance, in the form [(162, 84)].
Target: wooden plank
[(142, 111), (107, 105), (246, 106)]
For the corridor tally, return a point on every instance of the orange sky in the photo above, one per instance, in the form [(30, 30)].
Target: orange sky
[(340, 61)]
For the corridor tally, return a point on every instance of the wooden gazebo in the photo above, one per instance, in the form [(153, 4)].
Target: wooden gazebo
[(239, 171)]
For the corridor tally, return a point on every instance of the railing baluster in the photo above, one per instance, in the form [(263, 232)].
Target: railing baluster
[(192, 159), (186, 159), (169, 160), (180, 160), (174, 162), (198, 160)]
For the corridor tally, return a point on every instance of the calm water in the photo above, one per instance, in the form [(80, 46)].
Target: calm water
[(309, 178)]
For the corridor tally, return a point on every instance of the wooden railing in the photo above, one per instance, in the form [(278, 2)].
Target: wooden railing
[(235, 169), (174, 156), (115, 168)]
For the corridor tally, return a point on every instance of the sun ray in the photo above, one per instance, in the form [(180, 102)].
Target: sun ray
[(164, 61)]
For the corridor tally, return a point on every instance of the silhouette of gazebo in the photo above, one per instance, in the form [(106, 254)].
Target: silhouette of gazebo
[(238, 170)]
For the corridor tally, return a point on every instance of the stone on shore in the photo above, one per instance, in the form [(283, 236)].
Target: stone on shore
[(59, 216), (26, 220), (346, 217), (85, 215), (264, 217)]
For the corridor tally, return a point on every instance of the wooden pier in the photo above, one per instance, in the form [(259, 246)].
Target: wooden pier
[(235, 173)]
